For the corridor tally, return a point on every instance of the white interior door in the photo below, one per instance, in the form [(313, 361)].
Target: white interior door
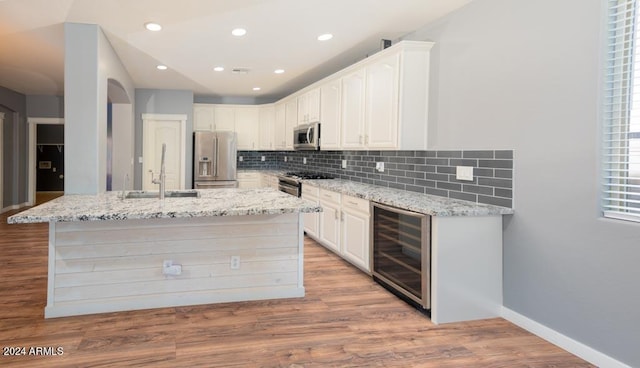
[(169, 130)]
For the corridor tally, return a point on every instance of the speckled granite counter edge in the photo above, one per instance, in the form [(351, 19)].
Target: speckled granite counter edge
[(421, 203)]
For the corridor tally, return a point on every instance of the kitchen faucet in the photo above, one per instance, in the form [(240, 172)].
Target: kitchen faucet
[(163, 176)]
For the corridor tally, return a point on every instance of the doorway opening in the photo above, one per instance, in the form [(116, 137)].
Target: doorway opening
[(46, 149)]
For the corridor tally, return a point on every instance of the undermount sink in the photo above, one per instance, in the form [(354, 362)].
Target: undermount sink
[(136, 194)]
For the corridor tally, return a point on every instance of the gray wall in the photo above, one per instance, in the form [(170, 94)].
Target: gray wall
[(152, 101), (39, 106), (526, 75), (14, 145)]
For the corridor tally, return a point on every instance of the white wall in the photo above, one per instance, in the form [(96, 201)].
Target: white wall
[(526, 75), (90, 62)]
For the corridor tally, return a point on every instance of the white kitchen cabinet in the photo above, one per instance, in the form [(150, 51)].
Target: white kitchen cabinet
[(385, 99), (344, 226), (247, 120), (355, 231), (330, 112), (311, 220), (268, 180), (249, 180), (280, 129), (291, 121), (203, 117), (381, 103), (330, 223), (352, 114), (266, 125), (309, 107), (224, 118)]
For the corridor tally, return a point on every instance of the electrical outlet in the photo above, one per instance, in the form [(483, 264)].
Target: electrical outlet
[(380, 166), (304, 160), (344, 164), (464, 173), (285, 158), (240, 158), (262, 158), (235, 262)]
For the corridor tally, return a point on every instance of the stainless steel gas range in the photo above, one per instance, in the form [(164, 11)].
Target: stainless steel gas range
[(291, 182)]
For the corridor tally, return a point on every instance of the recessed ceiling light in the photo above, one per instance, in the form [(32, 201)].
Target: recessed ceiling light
[(151, 26), (218, 68), (256, 88), (325, 37), (161, 67), (239, 32), (279, 71)]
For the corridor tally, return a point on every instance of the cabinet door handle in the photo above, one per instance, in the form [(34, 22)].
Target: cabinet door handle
[(366, 139), (335, 215), (352, 203)]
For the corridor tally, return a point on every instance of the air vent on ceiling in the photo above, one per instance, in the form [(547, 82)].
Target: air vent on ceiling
[(240, 70)]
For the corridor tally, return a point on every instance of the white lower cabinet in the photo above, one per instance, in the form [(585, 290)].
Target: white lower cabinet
[(249, 180), (330, 220), (311, 220), (269, 181), (355, 231), (344, 227)]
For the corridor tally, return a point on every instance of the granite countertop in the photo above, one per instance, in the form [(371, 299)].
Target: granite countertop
[(212, 202), (417, 202)]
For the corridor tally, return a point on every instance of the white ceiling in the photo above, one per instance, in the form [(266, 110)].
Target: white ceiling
[(196, 36)]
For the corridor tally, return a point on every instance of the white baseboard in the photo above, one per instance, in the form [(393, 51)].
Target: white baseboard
[(574, 347), (15, 207)]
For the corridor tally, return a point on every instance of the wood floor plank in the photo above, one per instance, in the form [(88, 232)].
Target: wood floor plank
[(345, 320)]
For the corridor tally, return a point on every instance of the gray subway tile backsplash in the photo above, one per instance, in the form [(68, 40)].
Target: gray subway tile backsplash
[(430, 172)]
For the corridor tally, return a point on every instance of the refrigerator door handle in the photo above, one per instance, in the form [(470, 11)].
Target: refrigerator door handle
[(215, 163)]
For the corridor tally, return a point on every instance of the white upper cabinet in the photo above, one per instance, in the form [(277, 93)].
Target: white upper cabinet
[(291, 119), (266, 124), (309, 107), (203, 117), (352, 114), (247, 120), (381, 104), (330, 111), (280, 127), (224, 118)]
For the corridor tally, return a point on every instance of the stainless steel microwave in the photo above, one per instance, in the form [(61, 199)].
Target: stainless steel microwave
[(306, 137)]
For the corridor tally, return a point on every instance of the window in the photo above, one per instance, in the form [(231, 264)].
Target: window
[(621, 138)]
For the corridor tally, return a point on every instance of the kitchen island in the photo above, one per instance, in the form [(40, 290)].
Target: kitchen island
[(110, 254)]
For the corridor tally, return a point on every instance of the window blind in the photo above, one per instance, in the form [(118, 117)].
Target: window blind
[(621, 113)]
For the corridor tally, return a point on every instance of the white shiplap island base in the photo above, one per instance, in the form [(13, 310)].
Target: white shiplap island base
[(107, 254)]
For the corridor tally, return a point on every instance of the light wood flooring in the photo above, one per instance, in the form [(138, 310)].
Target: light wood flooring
[(345, 320)]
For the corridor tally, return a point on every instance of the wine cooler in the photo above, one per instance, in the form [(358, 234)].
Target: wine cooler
[(401, 253)]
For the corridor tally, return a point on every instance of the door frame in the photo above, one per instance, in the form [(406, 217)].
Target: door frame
[(33, 122), (1, 161), (182, 120)]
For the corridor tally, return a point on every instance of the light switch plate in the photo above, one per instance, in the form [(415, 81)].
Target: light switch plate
[(380, 166), (262, 158), (344, 164), (304, 160), (240, 158), (464, 173)]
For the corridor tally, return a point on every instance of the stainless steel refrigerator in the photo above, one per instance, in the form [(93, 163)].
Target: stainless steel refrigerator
[(214, 160)]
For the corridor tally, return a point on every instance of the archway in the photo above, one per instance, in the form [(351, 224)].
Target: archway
[(120, 137)]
